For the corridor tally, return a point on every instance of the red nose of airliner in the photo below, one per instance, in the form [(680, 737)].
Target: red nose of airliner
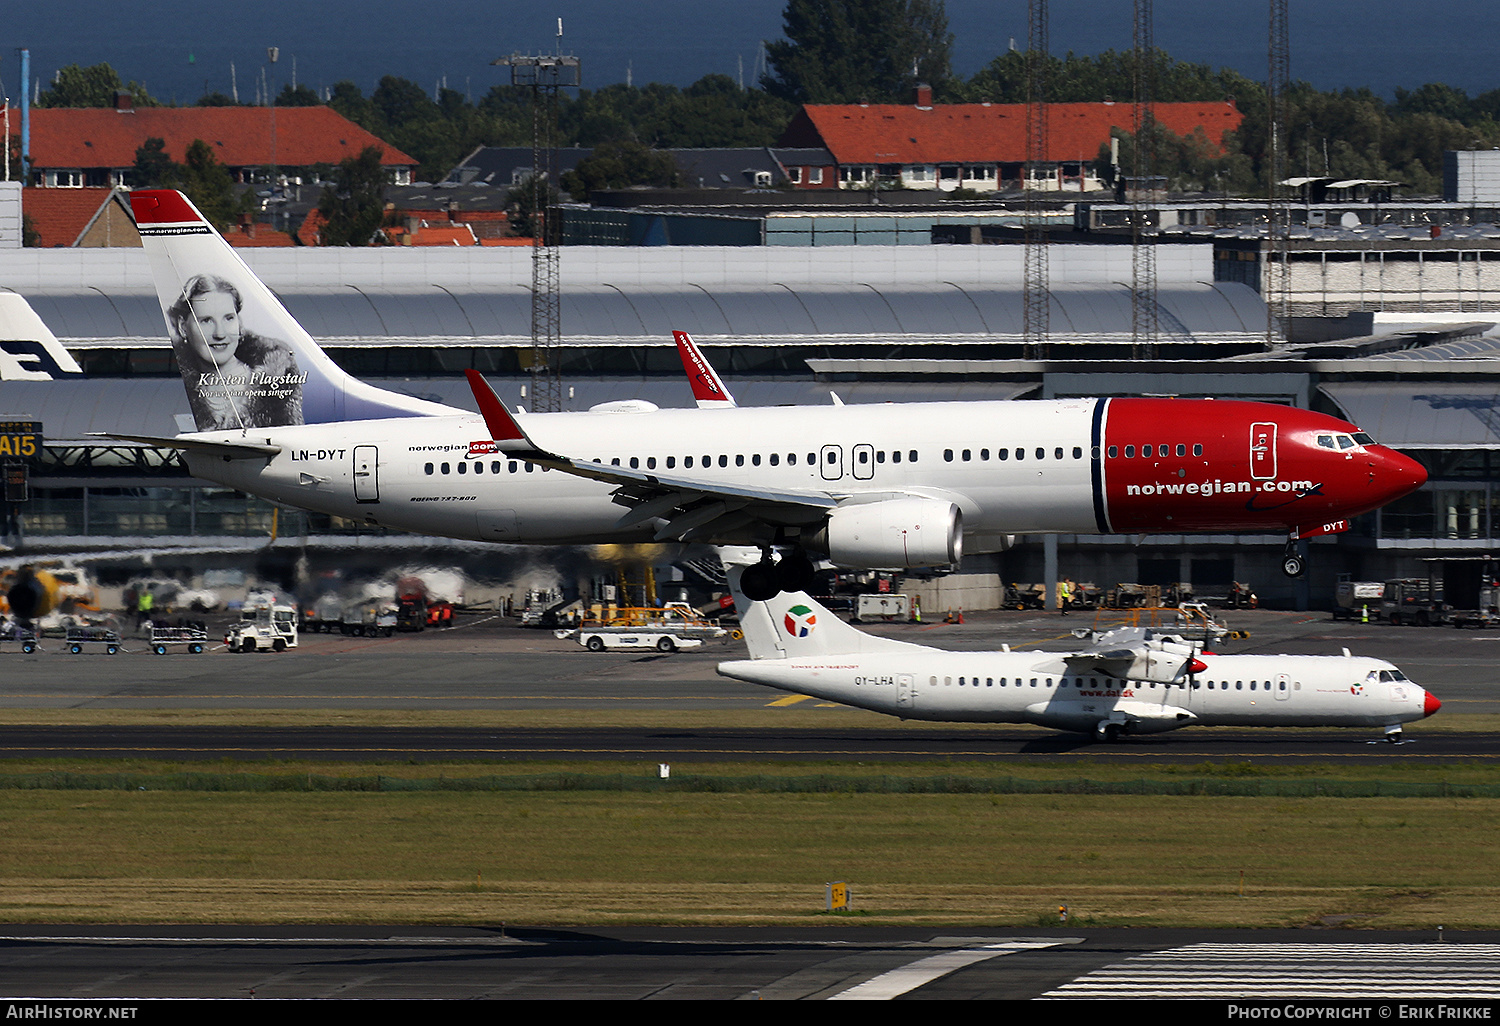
[(1197, 666), (1396, 475), (1430, 705)]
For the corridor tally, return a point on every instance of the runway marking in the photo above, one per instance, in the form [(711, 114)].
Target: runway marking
[(1265, 971), (916, 974)]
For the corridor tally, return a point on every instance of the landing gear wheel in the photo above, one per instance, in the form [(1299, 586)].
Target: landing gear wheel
[(1293, 565), (759, 582), (1109, 733), (795, 571), (1393, 736)]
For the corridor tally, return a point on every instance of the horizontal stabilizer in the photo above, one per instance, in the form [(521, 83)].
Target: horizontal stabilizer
[(245, 450)]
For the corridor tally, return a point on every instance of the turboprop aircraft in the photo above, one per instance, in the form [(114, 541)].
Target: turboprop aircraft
[(1129, 681), (888, 486)]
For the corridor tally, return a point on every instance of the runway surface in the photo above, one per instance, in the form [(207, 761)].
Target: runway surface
[(494, 668), (874, 743), (492, 665), (825, 963)]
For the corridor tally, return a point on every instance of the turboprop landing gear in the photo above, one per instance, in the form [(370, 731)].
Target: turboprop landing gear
[(1108, 732)]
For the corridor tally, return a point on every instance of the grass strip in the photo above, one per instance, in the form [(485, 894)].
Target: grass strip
[(677, 857), (821, 783)]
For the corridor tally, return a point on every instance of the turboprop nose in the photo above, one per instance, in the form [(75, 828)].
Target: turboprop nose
[(1430, 704)]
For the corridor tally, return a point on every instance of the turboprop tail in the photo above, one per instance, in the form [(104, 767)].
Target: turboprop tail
[(245, 360), (794, 626)]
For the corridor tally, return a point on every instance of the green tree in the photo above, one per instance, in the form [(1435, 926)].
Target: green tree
[(851, 51), (209, 185), (520, 204), (94, 86), (301, 96), (354, 205), (619, 166), (154, 168)]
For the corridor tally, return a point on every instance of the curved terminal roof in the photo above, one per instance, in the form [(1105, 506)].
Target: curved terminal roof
[(611, 315)]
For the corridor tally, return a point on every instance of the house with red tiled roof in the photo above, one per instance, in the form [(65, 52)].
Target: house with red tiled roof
[(80, 217), (95, 146), (980, 146)]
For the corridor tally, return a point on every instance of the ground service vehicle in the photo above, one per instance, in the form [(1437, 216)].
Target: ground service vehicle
[(263, 627)]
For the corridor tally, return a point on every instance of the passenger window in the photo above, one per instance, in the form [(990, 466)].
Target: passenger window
[(775, 459), (428, 468), (1003, 454), (755, 460), (445, 468), (1197, 450), (948, 455), (1181, 450), (1041, 454), (1020, 454), (671, 462), (1078, 452), (687, 461), (984, 454), (1146, 451), (895, 455), (739, 459), (650, 462), (494, 466), (911, 457), (479, 467), (1130, 452), (880, 456), (511, 467), (1114, 451), (463, 468), (635, 463), (967, 456), (723, 460)]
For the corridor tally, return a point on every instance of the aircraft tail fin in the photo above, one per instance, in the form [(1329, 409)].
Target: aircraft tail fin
[(28, 349), (709, 389), (793, 625), (245, 360)]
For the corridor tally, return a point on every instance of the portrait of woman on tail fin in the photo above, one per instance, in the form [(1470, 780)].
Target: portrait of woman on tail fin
[(234, 377)]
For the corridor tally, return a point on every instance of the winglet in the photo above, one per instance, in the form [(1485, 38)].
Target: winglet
[(708, 388), (503, 426)]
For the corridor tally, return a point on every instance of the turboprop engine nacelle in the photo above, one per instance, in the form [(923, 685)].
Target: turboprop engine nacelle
[(896, 534), (1157, 660)]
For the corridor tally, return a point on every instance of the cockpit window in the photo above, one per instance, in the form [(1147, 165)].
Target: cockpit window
[(1326, 441), (1345, 442), (1363, 439)]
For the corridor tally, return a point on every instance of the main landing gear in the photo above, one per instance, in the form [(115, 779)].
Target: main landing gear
[(765, 580)]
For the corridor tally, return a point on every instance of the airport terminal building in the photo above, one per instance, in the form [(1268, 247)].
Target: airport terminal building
[(782, 325)]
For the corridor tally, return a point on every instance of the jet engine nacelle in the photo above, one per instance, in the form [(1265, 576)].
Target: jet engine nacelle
[(896, 534)]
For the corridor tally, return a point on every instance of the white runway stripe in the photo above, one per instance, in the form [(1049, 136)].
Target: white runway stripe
[(1270, 971), (923, 971)]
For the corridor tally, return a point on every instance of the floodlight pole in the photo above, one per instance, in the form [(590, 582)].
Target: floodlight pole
[(544, 76)]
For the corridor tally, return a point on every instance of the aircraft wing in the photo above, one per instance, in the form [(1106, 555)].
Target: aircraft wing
[(228, 450), (1133, 655), (691, 508)]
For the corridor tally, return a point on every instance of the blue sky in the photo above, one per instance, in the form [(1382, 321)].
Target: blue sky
[(181, 47)]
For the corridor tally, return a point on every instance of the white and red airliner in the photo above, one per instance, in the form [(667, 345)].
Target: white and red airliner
[(1129, 681), (887, 486)]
